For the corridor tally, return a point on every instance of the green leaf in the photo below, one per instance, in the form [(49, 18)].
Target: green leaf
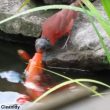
[(65, 77), (104, 22), (106, 5), (101, 40)]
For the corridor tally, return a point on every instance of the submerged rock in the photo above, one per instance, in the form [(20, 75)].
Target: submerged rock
[(28, 25), (86, 51), (83, 52)]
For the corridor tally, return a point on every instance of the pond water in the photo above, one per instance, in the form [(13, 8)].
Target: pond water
[(11, 69), (10, 63)]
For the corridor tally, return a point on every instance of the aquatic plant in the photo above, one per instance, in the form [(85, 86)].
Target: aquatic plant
[(106, 5)]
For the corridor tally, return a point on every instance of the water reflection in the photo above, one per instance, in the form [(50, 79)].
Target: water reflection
[(9, 97), (10, 81), (9, 60), (11, 76)]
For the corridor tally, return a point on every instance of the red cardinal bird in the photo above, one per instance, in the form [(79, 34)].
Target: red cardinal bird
[(56, 26)]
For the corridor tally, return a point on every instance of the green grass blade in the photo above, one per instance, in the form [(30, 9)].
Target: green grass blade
[(23, 4), (42, 8), (53, 89), (104, 23), (101, 40), (58, 87), (69, 82), (90, 89), (106, 5), (107, 53), (65, 77), (94, 81)]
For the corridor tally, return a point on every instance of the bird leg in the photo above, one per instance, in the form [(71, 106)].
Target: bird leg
[(66, 43)]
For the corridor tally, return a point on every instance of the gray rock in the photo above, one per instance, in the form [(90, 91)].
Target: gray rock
[(86, 51), (28, 25)]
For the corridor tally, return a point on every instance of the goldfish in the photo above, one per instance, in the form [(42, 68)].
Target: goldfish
[(34, 68), (36, 82), (34, 78), (23, 54)]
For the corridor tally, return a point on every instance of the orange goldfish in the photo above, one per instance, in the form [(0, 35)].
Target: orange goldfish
[(23, 54), (34, 76), (34, 68)]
